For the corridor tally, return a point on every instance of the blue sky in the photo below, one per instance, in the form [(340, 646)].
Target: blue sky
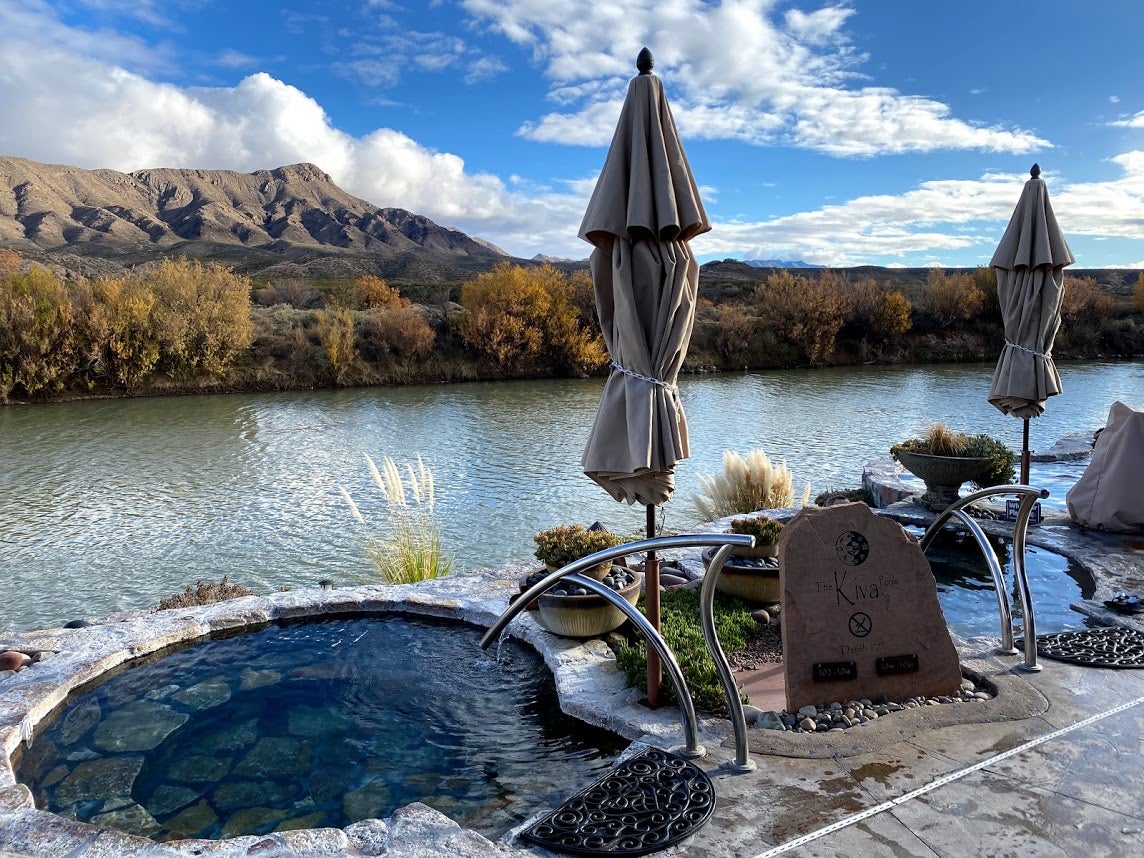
[(848, 133)]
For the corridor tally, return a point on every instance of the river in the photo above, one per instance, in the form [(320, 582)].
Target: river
[(112, 504)]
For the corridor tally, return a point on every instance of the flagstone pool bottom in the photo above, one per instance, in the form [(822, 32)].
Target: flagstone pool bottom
[(316, 725)]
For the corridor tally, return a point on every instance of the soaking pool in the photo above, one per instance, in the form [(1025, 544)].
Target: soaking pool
[(965, 585), (316, 724)]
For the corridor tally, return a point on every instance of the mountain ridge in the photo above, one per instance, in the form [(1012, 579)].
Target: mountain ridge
[(293, 214)]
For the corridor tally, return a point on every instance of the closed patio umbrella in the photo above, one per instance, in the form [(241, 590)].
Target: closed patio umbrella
[(1030, 262), (644, 210)]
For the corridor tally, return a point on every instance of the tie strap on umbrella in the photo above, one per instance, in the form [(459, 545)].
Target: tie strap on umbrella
[(656, 381), (1048, 354)]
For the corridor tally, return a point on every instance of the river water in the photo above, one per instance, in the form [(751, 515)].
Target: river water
[(111, 505)]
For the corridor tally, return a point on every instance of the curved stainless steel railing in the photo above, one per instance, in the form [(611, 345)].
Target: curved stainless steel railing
[(1029, 496), (686, 707)]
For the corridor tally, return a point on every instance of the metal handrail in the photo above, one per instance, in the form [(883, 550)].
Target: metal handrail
[(1029, 496), (655, 639), (743, 763)]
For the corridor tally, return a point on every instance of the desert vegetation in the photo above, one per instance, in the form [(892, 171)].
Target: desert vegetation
[(184, 326)]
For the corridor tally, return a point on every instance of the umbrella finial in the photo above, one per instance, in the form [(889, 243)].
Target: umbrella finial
[(645, 61), (1035, 171)]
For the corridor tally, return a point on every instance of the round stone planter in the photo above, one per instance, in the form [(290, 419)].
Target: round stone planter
[(771, 550), (599, 571), (752, 580), (943, 476), (584, 616)]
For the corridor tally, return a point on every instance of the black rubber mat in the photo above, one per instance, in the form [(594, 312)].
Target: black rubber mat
[(1111, 646), (647, 803)]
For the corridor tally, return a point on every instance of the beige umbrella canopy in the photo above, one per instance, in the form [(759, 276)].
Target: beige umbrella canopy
[(1030, 262), (644, 210)]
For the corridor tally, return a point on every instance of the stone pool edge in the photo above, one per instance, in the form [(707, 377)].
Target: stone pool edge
[(589, 685)]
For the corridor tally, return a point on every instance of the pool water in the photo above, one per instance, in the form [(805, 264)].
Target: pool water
[(965, 585), (313, 725)]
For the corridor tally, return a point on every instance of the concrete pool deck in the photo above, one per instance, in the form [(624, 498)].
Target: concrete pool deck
[(1052, 766)]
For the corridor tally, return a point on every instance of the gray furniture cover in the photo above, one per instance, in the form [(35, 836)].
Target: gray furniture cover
[(1110, 493)]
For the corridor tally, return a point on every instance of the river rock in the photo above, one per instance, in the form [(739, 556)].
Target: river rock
[(132, 819), (192, 821), (105, 778), (372, 800), (275, 757), (205, 695), (198, 769), (14, 660), (167, 799), (239, 794), (138, 726)]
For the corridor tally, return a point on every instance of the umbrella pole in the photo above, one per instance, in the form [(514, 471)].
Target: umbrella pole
[(1025, 453), (651, 608)]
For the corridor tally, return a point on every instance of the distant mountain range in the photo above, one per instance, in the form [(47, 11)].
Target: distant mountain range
[(290, 220), (780, 263)]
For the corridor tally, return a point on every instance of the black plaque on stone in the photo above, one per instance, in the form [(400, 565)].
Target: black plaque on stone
[(834, 671), (892, 665)]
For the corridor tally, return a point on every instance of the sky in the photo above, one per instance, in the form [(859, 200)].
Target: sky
[(861, 132)]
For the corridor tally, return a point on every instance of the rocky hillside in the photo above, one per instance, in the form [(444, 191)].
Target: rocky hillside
[(288, 221)]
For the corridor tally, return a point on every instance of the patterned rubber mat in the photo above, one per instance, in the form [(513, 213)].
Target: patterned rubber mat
[(1110, 646), (647, 803)]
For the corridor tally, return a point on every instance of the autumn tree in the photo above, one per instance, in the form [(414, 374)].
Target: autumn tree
[(201, 315), (734, 336), (808, 311), (524, 320), (1085, 302), (952, 298), (371, 292), (120, 321), (879, 313), (37, 330), (402, 332), (336, 334), (1138, 294)]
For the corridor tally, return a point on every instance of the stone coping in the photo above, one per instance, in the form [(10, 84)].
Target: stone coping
[(588, 683)]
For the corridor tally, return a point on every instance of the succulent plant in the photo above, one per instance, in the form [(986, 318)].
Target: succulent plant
[(764, 528), (558, 546)]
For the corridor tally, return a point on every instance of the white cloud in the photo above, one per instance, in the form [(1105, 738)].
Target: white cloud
[(235, 59), (735, 72), (937, 216), (820, 26), (484, 68), (1136, 121)]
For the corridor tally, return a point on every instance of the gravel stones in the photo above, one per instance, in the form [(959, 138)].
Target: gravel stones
[(825, 717)]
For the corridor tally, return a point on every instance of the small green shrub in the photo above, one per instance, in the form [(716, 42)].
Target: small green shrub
[(764, 528), (679, 625), (558, 546)]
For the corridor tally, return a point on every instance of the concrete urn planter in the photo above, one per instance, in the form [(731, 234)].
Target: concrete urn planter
[(943, 476)]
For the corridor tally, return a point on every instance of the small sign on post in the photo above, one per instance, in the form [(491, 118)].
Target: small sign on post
[(1013, 508)]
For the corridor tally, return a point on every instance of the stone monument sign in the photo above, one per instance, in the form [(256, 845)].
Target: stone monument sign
[(860, 615)]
